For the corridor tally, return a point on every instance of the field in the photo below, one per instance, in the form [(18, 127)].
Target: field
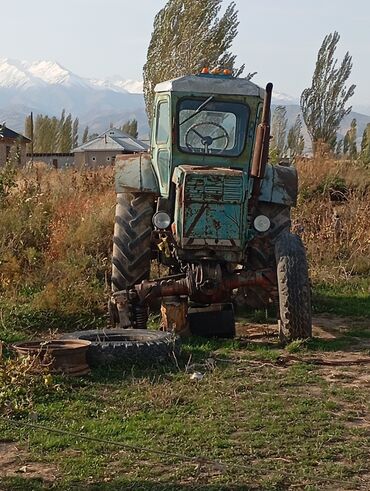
[(263, 417)]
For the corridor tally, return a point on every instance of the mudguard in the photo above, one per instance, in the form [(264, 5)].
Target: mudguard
[(280, 185), (135, 174)]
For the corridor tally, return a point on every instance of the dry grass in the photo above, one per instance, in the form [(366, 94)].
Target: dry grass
[(333, 218), (56, 230)]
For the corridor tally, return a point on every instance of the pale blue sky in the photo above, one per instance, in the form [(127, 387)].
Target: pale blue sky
[(96, 38)]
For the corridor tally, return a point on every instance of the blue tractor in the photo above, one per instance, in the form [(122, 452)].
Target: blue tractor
[(209, 209)]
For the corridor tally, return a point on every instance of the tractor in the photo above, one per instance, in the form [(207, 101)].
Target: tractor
[(209, 209)]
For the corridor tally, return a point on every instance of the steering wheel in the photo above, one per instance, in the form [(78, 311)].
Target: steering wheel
[(207, 141)]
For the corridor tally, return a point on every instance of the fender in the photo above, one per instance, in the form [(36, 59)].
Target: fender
[(279, 185), (135, 174)]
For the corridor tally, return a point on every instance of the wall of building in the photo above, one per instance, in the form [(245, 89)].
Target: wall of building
[(57, 160), (6, 142), (95, 159)]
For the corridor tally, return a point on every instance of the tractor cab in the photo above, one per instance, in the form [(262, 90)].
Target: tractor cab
[(207, 120)]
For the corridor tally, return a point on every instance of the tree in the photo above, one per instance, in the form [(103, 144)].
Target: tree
[(323, 104), (65, 137), (278, 132), (28, 131), (188, 35), (350, 141), (130, 127), (75, 133), (295, 140), (365, 145), (85, 136)]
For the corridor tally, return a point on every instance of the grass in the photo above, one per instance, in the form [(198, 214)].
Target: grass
[(350, 298), (272, 427)]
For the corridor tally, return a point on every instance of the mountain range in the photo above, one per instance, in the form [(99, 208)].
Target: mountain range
[(46, 87)]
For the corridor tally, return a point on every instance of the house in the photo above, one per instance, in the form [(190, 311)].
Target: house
[(12, 145), (102, 151)]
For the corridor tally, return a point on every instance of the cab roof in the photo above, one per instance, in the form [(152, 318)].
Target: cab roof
[(211, 84)]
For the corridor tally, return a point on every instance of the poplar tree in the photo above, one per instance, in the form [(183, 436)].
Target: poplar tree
[(85, 135), (65, 137), (130, 127), (278, 132), (365, 145), (75, 133), (350, 141), (187, 36), (323, 104), (295, 140)]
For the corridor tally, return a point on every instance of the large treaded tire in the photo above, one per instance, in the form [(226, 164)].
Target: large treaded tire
[(131, 240), (109, 346), (294, 288)]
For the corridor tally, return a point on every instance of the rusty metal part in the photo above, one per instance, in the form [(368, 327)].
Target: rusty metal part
[(261, 148), (148, 290), (174, 312), (62, 356)]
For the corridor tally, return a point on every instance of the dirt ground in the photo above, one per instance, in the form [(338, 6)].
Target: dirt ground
[(15, 461)]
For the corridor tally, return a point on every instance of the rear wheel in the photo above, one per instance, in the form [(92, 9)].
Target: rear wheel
[(131, 248), (131, 240), (294, 288)]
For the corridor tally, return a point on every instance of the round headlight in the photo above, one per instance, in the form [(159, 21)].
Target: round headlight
[(262, 223), (161, 220)]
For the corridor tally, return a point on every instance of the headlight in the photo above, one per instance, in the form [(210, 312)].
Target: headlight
[(161, 220), (262, 223)]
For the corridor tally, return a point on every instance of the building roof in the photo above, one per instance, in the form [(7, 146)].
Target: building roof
[(111, 140), (211, 84), (13, 135)]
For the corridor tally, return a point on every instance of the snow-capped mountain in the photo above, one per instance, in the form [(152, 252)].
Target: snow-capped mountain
[(24, 75), (47, 87)]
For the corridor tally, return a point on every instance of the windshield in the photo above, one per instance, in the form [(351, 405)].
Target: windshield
[(219, 128)]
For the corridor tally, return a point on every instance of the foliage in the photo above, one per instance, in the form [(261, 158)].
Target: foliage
[(188, 35), (365, 146), (85, 135), (350, 141), (295, 139), (130, 127), (51, 134), (324, 103), (7, 181), (20, 386), (55, 239), (332, 217), (278, 132), (75, 133)]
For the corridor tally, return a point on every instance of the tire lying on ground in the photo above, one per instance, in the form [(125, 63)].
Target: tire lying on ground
[(109, 346)]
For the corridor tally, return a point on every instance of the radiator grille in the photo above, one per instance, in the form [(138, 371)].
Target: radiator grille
[(214, 189)]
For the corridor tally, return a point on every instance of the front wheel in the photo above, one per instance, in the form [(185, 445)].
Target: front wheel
[(294, 288)]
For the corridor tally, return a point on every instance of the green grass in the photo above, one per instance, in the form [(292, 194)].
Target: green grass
[(350, 298), (271, 427)]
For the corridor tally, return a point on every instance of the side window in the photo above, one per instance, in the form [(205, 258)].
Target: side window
[(162, 132)]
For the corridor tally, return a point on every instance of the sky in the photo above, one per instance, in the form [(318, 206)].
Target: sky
[(279, 39)]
